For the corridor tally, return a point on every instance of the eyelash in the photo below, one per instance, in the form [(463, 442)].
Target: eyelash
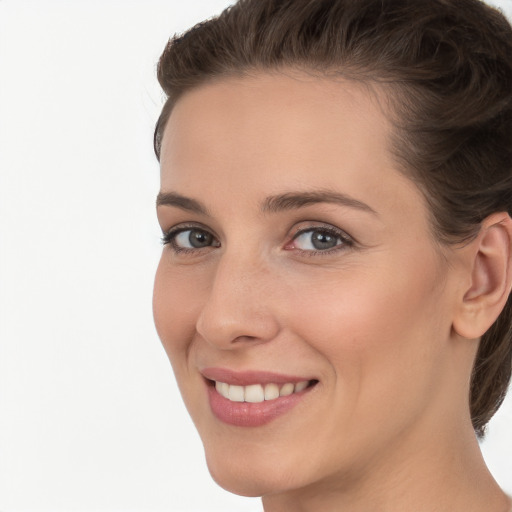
[(346, 241), (169, 237)]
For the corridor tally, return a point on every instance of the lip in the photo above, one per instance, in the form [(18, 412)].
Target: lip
[(246, 378), (245, 414)]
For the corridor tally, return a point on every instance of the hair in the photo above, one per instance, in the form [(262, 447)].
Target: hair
[(446, 69)]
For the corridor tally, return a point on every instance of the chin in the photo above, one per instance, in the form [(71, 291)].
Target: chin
[(247, 476), (238, 484)]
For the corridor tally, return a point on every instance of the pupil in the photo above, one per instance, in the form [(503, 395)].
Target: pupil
[(323, 240), (199, 239)]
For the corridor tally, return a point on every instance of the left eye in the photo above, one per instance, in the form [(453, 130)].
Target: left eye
[(318, 240), (194, 239), (190, 239)]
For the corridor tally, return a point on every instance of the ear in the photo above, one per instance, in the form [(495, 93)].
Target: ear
[(490, 277)]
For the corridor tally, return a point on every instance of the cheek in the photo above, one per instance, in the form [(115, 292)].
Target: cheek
[(377, 327), (381, 351), (175, 309)]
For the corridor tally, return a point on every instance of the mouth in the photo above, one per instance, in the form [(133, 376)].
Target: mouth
[(252, 399), (257, 393)]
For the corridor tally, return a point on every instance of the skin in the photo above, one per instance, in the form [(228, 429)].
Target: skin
[(388, 322)]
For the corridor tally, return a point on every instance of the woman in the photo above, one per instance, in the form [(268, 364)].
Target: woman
[(333, 294)]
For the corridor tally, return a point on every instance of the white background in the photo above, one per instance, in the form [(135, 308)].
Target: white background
[(90, 418)]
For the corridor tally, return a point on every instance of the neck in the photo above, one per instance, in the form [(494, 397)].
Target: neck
[(447, 474)]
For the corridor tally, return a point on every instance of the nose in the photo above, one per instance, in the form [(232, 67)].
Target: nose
[(239, 306)]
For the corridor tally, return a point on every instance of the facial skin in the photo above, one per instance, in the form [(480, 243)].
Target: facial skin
[(370, 317)]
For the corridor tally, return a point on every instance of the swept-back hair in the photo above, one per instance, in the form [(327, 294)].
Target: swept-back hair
[(446, 69)]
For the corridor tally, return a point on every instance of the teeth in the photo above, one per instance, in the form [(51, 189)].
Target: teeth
[(256, 393), (271, 391), (301, 386), (236, 393), (287, 389), (222, 388)]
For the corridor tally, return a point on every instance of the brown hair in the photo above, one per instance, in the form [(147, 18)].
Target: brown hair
[(447, 65)]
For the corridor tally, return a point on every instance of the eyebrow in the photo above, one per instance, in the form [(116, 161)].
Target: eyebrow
[(272, 204), (294, 200), (179, 201)]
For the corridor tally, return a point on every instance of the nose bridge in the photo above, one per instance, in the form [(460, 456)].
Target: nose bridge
[(238, 306)]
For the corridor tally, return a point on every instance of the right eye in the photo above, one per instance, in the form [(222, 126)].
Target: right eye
[(189, 239)]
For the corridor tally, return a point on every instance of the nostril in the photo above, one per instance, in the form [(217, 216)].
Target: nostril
[(233, 315), (245, 338), (230, 331)]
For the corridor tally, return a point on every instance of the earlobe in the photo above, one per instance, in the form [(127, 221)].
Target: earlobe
[(490, 268)]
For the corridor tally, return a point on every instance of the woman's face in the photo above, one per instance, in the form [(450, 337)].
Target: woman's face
[(297, 255)]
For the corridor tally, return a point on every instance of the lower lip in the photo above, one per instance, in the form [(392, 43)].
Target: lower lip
[(247, 414)]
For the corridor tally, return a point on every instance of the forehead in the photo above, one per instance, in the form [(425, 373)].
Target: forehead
[(275, 116), (268, 133)]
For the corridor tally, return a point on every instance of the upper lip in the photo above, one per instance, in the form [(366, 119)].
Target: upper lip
[(246, 378)]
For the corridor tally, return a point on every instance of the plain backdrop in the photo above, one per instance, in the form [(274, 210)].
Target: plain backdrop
[(90, 417)]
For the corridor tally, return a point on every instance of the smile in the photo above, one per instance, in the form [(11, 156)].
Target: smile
[(254, 398), (257, 393)]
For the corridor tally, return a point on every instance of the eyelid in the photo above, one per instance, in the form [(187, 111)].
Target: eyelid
[(347, 241), (183, 226), (169, 235), (304, 227)]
